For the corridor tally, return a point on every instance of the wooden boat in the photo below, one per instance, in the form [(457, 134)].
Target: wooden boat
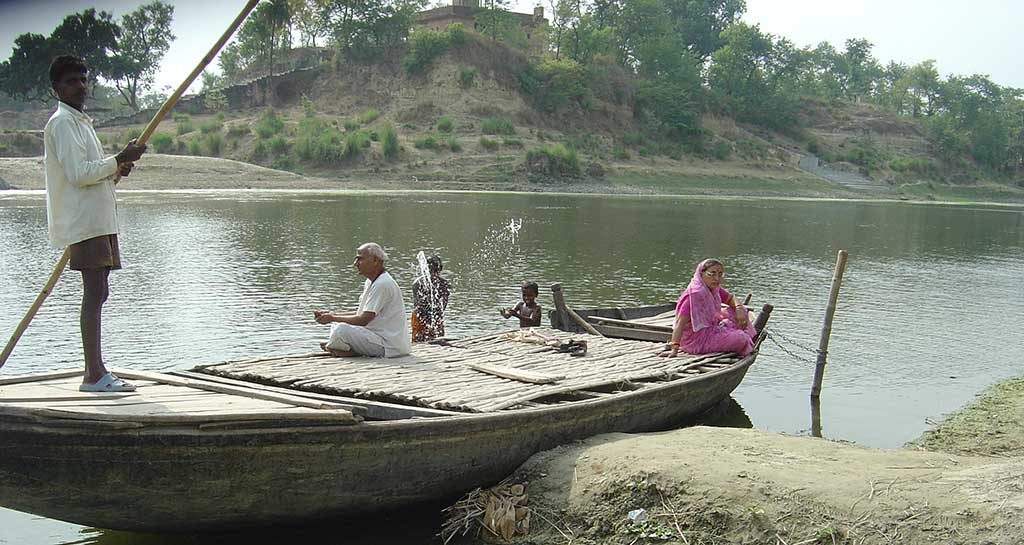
[(300, 438), (644, 323)]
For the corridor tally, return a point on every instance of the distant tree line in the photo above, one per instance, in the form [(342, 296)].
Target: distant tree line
[(125, 55), (695, 56), (670, 60)]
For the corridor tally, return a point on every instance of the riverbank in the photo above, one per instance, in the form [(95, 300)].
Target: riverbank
[(182, 172), (962, 483)]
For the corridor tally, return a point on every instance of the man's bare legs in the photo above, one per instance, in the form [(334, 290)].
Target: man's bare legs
[(94, 294)]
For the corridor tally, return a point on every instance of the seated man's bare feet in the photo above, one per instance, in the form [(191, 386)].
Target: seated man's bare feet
[(341, 353), (337, 353)]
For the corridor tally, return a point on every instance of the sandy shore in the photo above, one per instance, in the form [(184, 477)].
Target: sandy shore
[(736, 486)]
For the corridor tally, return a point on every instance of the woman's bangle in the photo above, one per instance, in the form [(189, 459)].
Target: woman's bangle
[(673, 344)]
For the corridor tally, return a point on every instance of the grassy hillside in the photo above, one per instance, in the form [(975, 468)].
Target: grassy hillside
[(464, 118)]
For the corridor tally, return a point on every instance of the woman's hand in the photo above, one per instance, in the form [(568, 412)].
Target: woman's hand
[(323, 317), (741, 317), (672, 351)]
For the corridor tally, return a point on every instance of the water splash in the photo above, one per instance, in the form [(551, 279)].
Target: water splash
[(513, 228), (430, 299)]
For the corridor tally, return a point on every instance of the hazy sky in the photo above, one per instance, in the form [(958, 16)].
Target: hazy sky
[(963, 36)]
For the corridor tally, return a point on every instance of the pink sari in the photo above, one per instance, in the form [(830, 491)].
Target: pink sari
[(712, 328)]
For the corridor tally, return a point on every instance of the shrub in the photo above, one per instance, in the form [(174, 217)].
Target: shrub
[(467, 77), (220, 116), (488, 144), (425, 45), (721, 150), (236, 131), (131, 134), (425, 142), (558, 83), (214, 144), (445, 124), (308, 108), (354, 144), (351, 125), (557, 161), (181, 118), (621, 154), (259, 151), (512, 142), (162, 142), (318, 142), (456, 34), (497, 125), (193, 147), (184, 127), (632, 139), (277, 145), (454, 145), (211, 126), (369, 116), (284, 162), (269, 124), (389, 142)]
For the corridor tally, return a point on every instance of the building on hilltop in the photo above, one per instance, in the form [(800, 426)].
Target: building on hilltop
[(464, 12)]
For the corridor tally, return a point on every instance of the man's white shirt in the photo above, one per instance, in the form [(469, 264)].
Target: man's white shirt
[(80, 199), (383, 297)]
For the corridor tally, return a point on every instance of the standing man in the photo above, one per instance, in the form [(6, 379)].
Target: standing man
[(81, 207), (377, 328)]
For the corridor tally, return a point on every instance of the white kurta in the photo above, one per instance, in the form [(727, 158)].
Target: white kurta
[(80, 199)]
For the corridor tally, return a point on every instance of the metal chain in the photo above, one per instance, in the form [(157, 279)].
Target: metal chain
[(794, 342), (794, 355)]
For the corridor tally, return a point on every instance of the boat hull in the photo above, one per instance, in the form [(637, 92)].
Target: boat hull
[(183, 479)]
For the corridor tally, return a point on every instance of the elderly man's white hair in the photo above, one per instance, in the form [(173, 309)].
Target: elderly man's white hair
[(375, 250)]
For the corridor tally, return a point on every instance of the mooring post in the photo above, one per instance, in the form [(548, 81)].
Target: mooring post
[(826, 329), (559, 299)]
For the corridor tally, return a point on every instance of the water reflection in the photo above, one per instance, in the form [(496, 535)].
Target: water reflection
[(232, 275)]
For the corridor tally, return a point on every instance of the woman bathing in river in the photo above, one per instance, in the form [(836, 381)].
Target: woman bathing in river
[(702, 325)]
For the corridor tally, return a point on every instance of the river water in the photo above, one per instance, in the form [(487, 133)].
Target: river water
[(929, 313)]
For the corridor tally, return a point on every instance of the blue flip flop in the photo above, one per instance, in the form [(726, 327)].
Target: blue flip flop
[(107, 383)]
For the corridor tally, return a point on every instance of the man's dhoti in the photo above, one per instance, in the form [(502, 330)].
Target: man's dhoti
[(354, 338)]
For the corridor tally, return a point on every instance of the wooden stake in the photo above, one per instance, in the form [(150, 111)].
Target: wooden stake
[(160, 114), (826, 329)]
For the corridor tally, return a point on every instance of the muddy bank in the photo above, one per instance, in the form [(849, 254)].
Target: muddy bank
[(730, 486), (960, 483)]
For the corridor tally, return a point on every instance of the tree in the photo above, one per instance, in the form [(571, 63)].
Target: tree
[(89, 35), (267, 31), (494, 20), (24, 75), (312, 19), (145, 38), (862, 69), (700, 23), (924, 85)]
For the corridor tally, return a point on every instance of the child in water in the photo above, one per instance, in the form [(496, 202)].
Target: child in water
[(527, 310)]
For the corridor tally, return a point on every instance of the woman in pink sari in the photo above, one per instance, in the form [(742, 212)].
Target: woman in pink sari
[(702, 325)]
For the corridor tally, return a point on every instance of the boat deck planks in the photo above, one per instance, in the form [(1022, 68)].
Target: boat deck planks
[(154, 402), (455, 377)]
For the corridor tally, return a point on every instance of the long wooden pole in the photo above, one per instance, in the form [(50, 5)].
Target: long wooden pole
[(826, 328), (146, 133)]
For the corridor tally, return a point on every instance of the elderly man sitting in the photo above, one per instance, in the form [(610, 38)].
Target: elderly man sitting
[(377, 328)]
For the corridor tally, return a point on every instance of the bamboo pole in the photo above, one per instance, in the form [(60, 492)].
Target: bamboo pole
[(146, 133), (826, 328)]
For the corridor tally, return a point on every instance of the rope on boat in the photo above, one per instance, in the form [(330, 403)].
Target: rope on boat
[(772, 334)]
